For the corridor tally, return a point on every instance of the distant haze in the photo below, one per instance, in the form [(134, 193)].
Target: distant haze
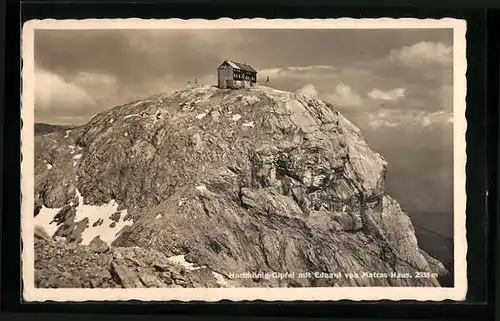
[(396, 85)]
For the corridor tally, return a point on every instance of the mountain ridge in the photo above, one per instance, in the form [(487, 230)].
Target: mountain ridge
[(44, 128), (235, 180)]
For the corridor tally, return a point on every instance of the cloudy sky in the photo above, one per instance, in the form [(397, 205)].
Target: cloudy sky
[(396, 85)]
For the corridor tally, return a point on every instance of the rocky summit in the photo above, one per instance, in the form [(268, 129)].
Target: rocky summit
[(233, 181)]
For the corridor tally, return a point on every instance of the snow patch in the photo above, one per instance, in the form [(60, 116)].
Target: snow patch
[(72, 149), (49, 165), (249, 124), (158, 216), (200, 116), (67, 133), (201, 188), (181, 201), (126, 134), (221, 280), (97, 213), (45, 219), (131, 115), (236, 117), (76, 157), (250, 99), (181, 260), (111, 121)]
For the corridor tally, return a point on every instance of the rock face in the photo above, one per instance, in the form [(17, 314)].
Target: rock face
[(251, 180), (62, 265)]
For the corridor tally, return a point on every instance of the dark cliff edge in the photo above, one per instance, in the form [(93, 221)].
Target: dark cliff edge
[(234, 181)]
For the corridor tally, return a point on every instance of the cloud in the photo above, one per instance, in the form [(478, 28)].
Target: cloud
[(423, 52), (437, 118), (372, 85), (344, 96), (102, 87), (74, 98), (446, 97), (111, 67), (408, 118), (395, 94), (271, 72), (302, 72), (94, 79), (379, 122), (312, 68), (53, 93), (308, 90)]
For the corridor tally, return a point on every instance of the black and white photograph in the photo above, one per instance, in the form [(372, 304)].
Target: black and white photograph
[(247, 159)]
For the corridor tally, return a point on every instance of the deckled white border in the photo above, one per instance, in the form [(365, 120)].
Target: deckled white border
[(30, 293)]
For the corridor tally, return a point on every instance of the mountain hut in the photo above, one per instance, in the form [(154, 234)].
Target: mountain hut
[(235, 75)]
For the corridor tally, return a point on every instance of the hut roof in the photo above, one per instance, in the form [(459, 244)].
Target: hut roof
[(240, 66)]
